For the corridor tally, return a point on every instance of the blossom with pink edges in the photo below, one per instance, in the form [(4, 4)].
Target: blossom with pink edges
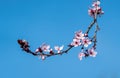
[(96, 9), (92, 52), (86, 42), (42, 48), (59, 48), (75, 43), (79, 35), (81, 55)]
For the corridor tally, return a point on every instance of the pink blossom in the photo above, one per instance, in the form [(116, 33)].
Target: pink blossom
[(42, 48), (91, 12), (81, 55), (76, 43), (86, 42), (99, 11), (92, 52), (96, 9), (45, 47), (79, 35), (59, 48)]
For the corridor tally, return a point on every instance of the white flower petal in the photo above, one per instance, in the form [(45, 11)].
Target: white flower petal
[(56, 47), (85, 45), (98, 2), (81, 55), (61, 47), (42, 57), (89, 42), (37, 50)]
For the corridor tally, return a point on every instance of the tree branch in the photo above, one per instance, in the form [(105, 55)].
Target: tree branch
[(80, 39)]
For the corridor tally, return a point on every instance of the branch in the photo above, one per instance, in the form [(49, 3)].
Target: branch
[(80, 39), (90, 26)]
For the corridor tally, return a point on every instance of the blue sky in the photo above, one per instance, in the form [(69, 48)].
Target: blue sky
[(54, 22)]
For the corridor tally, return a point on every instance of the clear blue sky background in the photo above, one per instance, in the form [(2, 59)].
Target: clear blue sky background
[(54, 22)]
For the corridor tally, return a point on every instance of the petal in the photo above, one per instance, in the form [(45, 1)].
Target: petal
[(85, 45), (81, 55), (56, 47), (37, 50), (42, 57), (98, 2), (80, 58), (58, 52), (89, 42), (61, 47)]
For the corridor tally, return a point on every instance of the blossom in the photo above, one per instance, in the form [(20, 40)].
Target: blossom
[(92, 52), (59, 48), (76, 43), (86, 42), (99, 11), (96, 9), (79, 35), (45, 47), (91, 12), (81, 55), (42, 48)]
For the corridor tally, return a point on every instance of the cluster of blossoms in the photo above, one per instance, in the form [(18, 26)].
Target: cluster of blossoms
[(84, 41), (90, 52), (44, 50), (95, 9), (80, 39)]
